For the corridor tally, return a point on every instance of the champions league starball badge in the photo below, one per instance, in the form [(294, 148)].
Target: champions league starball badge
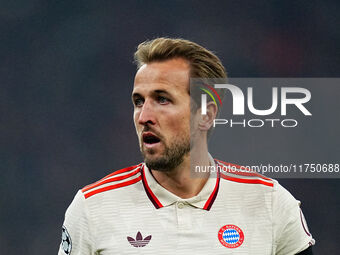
[(230, 236), (66, 242)]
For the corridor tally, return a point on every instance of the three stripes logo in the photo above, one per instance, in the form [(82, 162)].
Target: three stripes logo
[(139, 241), (211, 92)]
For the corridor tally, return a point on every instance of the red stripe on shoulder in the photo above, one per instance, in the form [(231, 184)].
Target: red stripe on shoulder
[(108, 180), (249, 181), (111, 187), (122, 170), (104, 180), (242, 171)]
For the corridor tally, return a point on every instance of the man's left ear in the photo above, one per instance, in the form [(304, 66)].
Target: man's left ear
[(206, 120)]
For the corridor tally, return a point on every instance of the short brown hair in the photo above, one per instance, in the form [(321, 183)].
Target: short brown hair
[(203, 63)]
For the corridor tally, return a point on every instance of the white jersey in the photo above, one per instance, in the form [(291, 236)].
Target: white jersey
[(128, 212)]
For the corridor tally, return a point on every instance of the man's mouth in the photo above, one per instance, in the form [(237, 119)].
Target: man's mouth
[(150, 139)]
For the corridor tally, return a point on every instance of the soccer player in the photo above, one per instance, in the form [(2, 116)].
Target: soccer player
[(157, 207)]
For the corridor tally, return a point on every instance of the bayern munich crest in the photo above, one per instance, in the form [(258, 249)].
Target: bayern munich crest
[(230, 236)]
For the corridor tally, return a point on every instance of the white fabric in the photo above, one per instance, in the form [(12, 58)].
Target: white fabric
[(269, 218)]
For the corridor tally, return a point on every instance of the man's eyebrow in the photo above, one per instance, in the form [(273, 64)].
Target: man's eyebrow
[(160, 91), (134, 94), (157, 91)]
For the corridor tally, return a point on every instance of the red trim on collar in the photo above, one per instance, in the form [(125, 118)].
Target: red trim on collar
[(213, 195), (158, 204), (149, 192)]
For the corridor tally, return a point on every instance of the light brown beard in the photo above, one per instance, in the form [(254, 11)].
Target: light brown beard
[(172, 157)]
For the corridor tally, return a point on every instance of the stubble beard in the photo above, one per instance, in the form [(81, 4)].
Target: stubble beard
[(172, 157)]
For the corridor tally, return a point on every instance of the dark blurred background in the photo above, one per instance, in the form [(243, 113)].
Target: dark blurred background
[(67, 72)]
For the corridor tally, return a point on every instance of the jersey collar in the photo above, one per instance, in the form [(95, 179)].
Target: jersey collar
[(160, 197)]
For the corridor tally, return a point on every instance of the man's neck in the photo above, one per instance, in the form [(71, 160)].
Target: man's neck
[(180, 181)]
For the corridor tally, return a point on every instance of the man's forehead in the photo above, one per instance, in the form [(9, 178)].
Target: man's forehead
[(174, 73)]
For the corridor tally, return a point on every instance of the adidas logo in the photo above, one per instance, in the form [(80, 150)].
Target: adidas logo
[(139, 242)]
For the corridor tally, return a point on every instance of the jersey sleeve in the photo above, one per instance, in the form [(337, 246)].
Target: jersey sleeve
[(291, 234), (76, 231)]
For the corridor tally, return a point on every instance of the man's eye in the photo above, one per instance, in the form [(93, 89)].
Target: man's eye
[(138, 102), (163, 100)]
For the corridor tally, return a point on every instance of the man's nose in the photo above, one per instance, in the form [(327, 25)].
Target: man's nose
[(147, 114)]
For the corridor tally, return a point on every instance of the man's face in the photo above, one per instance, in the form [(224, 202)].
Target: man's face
[(162, 112)]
